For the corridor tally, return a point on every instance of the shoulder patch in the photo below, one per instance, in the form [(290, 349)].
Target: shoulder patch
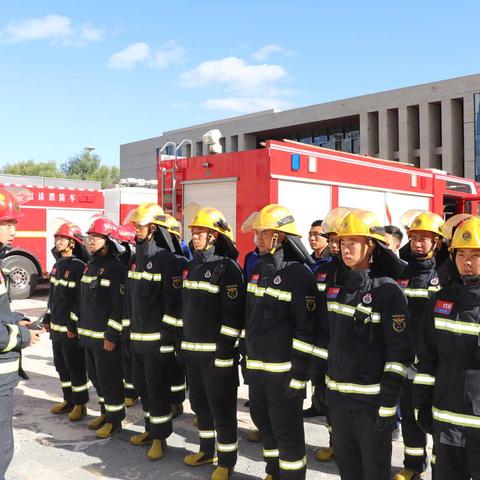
[(311, 303), (332, 292), (177, 282), (399, 323), (254, 278), (232, 291), (321, 276), (441, 306), (66, 274), (184, 274), (403, 282)]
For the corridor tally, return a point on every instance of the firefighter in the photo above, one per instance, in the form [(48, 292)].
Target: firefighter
[(319, 243), (281, 322), (68, 356), (419, 281), (213, 307), (153, 304), (368, 346), (447, 383), (97, 320), (14, 332), (177, 372)]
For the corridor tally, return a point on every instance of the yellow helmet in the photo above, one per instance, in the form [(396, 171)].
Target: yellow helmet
[(209, 217), (145, 213), (173, 225), (427, 222), (362, 223), (334, 219), (275, 217), (467, 234), (248, 223)]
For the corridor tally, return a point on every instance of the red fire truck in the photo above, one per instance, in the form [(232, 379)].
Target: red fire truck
[(310, 181)]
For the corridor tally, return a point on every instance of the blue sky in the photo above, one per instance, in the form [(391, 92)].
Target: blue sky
[(107, 72)]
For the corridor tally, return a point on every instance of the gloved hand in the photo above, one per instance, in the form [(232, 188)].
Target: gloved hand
[(384, 422), (425, 418)]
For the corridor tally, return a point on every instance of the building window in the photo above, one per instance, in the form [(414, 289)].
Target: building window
[(476, 99)]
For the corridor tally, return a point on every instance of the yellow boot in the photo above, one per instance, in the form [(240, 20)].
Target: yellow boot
[(406, 474), (221, 473), (96, 423), (78, 412), (108, 430), (141, 439), (130, 402), (254, 436), (157, 450), (64, 407), (199, 458), (324, 454)]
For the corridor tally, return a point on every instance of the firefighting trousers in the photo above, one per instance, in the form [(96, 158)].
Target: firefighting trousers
[(129, 389), (177, 382), (105, 370), (152, 382), (361, 452), (457, 462), (6, 433), (280, 421), (69, 361), (213, 398), (414, 438)]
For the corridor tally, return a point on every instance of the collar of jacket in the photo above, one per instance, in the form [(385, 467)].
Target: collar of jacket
[(468, 295), (205, 256), (270, 262), (422, 265), (354, 280), (147, 249)]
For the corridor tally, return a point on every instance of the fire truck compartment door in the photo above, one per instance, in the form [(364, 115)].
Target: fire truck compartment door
[(221, 194), (307, 201)]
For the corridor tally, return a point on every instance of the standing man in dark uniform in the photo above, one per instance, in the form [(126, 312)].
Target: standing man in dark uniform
[(419, 281), (281, 322), (213, 309), (68, 356), (14, 334), (97, 320)]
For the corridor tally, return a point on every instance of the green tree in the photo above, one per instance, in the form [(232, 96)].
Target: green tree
[(107, 175), (82, 165), (29, 167)]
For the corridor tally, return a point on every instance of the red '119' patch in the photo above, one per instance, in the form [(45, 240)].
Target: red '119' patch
[(441, 306)]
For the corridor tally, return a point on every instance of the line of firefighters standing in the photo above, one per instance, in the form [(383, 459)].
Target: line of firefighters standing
[(371, 331)]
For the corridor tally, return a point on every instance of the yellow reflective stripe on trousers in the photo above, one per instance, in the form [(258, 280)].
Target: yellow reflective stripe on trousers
[(272, 367), (169, 320), (387, 411), (298, 465), (455, 326), (178, 388), (167, 349), (302, 346), (145, 337), (199, 347), (414, 451), (66, 384), (396, 367), (10, 366), (373, 389), (453, 418), (114, 408), (279, 294), (206, 286), (90, 333), (223, 363), (128, 385), (58, 328), (424, 379), (206, 433), (227, 447), (12, 337), (114, 324), (159, 420), (297, 384), (320, 352), (271, 453), (80, 388), (229, 331)]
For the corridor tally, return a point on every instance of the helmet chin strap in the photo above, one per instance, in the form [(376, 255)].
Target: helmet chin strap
[(274, 243), (430, 253)]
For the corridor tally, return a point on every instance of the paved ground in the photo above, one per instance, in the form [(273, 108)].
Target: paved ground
[(49, 447)]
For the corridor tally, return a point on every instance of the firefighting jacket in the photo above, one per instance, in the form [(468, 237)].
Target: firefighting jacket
[(213, 297), (13, 338), (64, 288), (419, 281), (98, 313), (153, 298), (366, 341), (448, 376), (281, 318)]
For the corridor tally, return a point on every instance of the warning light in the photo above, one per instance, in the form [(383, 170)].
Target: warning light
[(295, 162)]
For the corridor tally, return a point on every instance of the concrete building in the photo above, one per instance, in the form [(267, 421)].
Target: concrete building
[(433, 125)]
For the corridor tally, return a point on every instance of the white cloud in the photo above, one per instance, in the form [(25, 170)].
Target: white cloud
[(141, 53), (233, 73), (264, 52), (245, 104), (55, 28)]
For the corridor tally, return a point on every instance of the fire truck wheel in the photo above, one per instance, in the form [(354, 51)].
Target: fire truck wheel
[(24, 275)]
